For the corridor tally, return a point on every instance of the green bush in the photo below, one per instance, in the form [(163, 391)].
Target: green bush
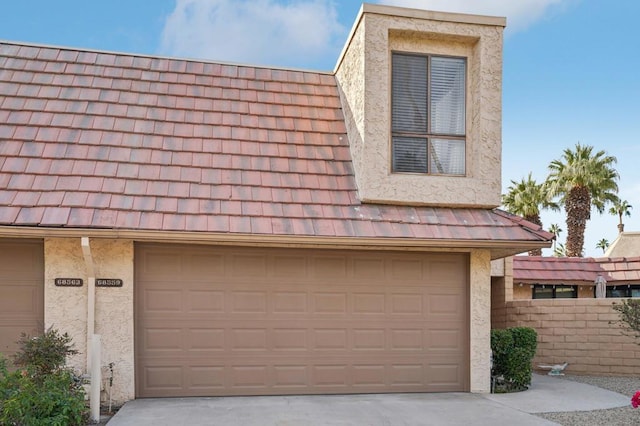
[(629, 311), (513, 351), (42, 392), (45, 354)]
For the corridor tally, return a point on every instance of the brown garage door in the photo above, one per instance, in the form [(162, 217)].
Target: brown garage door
[(21, 291), (255, 321)]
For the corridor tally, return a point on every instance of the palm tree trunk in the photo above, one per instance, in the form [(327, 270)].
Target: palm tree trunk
[(578, 208), (534, 218)]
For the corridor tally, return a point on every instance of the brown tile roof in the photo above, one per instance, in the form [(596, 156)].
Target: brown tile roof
[(102, 140), (538, 269)]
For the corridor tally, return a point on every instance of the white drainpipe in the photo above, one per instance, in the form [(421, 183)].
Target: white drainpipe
[(93, 340)]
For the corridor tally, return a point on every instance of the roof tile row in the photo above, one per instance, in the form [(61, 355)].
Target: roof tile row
[(105, 140)]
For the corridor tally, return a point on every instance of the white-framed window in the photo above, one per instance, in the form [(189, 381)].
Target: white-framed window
[(428, 114)]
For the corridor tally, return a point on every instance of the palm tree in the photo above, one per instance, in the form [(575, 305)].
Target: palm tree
[(555, 229), (603, 244), (560, 251), (621, 208), (582, 179), (526, 198)]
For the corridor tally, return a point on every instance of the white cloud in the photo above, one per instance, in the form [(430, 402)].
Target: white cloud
[(254, 31), (520, 13)]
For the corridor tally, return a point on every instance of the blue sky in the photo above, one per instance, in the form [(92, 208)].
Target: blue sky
[(570, 66)]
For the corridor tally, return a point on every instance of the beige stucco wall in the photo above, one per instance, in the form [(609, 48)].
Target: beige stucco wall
[(364, 74), (65, 308), (480, 318)]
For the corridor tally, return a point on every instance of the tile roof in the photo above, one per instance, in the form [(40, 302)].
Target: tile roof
[(538, 269), (102, 140)]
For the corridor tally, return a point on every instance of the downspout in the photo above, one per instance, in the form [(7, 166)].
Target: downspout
[(91, 296), (93, 340)]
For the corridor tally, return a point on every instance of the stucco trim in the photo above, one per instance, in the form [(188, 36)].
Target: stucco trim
[(464, 18), (419, 14)]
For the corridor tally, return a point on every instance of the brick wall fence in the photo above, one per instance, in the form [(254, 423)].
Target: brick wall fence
[(577, 331)]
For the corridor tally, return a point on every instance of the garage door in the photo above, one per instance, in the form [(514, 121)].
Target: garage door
[(254, 321), (21, 291)]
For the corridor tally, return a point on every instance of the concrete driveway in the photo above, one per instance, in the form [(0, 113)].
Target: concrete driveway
[(546, 394)]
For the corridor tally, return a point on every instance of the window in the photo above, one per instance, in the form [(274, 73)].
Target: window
[(624, 290), (551, 291), (428, 114)]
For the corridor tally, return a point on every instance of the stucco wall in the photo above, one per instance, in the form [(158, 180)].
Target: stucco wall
[(66, 307), (480, 317), (367, 107)]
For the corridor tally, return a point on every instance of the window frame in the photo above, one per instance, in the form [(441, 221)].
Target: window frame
[(627, 289), (554, 288), (429, 135)]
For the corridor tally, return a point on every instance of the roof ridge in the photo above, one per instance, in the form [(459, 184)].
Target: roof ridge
[(165, 57)]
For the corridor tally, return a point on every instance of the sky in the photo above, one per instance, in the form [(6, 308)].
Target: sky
[(570, 66)]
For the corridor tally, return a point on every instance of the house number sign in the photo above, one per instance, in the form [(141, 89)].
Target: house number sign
[(108, 282), (68, 282)]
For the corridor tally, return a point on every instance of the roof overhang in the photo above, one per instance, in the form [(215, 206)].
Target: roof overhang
[(499, 249)]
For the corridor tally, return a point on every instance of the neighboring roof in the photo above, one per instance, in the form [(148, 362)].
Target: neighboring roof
[(102, 140), (626, 244), (570, 270)]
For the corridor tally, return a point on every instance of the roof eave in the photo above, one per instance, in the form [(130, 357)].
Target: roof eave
[(499, 249)]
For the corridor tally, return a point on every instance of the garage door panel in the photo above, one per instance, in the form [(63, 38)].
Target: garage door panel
[(21, 291), (445, 340), (444, 375), (407, 304), (289, 302), (19, 299), (205, 301), (249, 302), (290, 376), (248, 265), (290, 339), (308, 323), (368, 303), (204, 378), (324, 302), (205, 339)]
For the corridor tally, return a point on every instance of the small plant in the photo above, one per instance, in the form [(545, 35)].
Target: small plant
[(513, 350), (635, 400), (629, 310), (42, 391), (46, 353)]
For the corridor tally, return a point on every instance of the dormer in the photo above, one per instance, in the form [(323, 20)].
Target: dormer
[(422, 96)]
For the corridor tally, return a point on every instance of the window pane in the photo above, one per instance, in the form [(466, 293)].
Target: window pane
[(447, 96), (566, 292), (447, 156), (409, 89), (542, 293), (409, 155), (616, 292)]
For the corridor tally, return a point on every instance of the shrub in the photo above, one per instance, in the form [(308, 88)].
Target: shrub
[(629, 310), (46, 353), (42, 392), (56, 399), (513, 351)]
